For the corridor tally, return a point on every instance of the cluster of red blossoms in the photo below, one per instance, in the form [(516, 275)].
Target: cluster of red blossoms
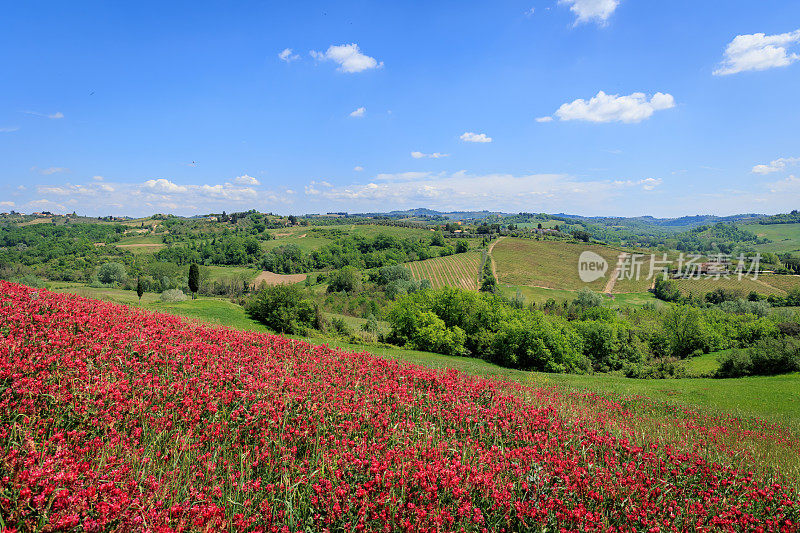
[(115, 419)]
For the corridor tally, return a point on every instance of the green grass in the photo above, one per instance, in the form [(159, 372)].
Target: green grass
[(784, 237), (216, 273), (214, 310), (773, 398), (703, 365)]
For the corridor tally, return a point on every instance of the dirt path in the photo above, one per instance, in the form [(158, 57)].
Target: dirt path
[(612, 280), (489, 257)]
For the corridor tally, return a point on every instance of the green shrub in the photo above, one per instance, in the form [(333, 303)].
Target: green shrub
[(284, 309), (347, 279), (112, 273), (767, 357), (173, 295)]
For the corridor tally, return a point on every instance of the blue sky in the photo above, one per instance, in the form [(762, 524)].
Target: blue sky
[(595, 107)]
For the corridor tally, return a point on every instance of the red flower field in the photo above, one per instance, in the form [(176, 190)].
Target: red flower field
[(116, 419)]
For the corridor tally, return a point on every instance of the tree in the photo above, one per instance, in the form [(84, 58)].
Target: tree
[(588, 298), (139, 288), (112, 273), (194, 279), (348, 279), (283, 308), (462, 246)]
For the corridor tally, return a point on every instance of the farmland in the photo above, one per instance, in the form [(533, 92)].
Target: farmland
[(765, 284), (460, 270), (553, 265), (274, 432)]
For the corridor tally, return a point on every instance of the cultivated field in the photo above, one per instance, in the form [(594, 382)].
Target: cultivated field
[(763, 285), (115, 419), (458, 270), (553, 265)]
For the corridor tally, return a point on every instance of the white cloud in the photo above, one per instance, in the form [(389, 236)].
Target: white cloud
[(758, 52), (591, 10), (9, 129), (544, 119), (164, 185), (46, 205), (7, 203), (227, 191), (55, 116), (530, 11), (246, 180), (358, 113), (349, 58), (358, 168), (50, 170), (288, 56), (649, 184), (475, 137), (460, 190), (788, 185), (614, 108), (434, 155), (98, 178), (405, 176), (774, 166)]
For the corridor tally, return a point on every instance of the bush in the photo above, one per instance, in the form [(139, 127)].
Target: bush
[(744, 307), (371, 325), (112, 273), (392, 273), (667, 367), (284, 309), (348, 279), (173, 295), (666, 290), (340, 327), (766, 357), (31, 281), (588, 298)]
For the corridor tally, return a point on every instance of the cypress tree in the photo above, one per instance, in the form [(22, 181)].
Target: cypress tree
[(194, 279)]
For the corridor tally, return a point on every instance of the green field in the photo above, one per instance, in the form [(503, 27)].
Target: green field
[(554, 265), (784, 237), (775, 398), (216, 273), (458, 270)]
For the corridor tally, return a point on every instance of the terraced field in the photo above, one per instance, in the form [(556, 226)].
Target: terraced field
[(459, 270)]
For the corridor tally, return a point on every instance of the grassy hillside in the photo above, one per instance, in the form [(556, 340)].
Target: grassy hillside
[(784, 237), (459, 270), (553, 265)]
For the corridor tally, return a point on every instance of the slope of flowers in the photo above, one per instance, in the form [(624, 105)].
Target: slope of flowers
[(116, 419)]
